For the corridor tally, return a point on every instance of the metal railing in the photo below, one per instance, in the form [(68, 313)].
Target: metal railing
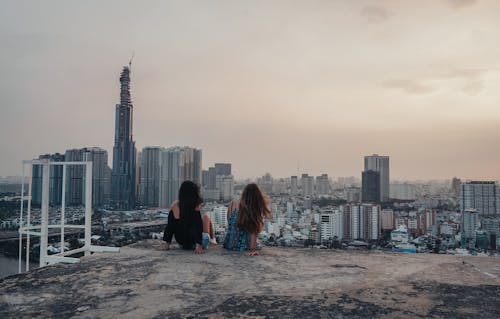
[(42, 230)]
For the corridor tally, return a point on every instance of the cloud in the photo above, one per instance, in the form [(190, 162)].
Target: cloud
[(410, 86), (458, 4), (467, 81), (375, 14)]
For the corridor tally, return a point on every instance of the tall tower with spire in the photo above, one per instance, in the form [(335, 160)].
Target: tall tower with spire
[(123, 177)]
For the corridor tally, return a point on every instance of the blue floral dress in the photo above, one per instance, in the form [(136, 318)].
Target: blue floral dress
[(236, 238)]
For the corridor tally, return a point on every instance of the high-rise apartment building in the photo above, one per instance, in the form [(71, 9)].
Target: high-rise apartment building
[(361, 221), (370, 186), (380, 164), (307, 183), (322, 185), (75, 187), (123, 177), (177, 164), (101, 175), (481, 196), (149, 190), (75, 175), (331, 224), (55, 184)]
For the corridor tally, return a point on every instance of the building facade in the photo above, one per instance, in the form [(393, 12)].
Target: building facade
[(380, 164), (123, 176), (481, 196)]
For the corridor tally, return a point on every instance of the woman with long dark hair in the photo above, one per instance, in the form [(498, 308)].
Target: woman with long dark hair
[(246, 220), (185, 222)]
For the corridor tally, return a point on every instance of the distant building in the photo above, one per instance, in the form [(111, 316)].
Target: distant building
[(307, 183), (361, 221), (322, 185), (294, 186), (123, 177), (456, 184), (380, 164), (403, 191), (470, 222), (222, 169), (481, 196), (370, 186), (177, 164), (56, 186), (387, 219), (101, 175), (218, 215), (331, 225), (149, 190), (353, 194), (227, 187)]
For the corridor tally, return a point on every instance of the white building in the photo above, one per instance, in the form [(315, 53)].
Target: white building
[(218, 215), (331, 224)]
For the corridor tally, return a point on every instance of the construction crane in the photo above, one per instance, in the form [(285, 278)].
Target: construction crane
[(130, 61)]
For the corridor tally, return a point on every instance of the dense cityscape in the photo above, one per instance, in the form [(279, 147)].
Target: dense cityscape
[(131, 200)]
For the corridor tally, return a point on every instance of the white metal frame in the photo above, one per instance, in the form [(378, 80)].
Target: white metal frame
[(42, 230)]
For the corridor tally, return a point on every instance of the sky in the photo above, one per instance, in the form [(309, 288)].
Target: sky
[(269, 86)]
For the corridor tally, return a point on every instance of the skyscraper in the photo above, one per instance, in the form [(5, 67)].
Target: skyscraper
[(75, 187), (322, 185), (124, 153), (380, 164), (55, 188), (370, 186), (150, 176), (100, 175), (75, 178), (177, 164), (307, 185)]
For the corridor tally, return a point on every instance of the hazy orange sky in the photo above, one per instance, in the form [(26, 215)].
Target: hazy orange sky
[(260, 84)]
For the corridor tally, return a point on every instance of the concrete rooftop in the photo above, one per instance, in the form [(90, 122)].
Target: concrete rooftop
[(144, 282)]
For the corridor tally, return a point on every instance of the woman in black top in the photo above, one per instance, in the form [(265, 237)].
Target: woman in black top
[(185, 221)]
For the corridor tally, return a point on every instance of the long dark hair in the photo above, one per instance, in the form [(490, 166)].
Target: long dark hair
[(253, 209), (189, 199)]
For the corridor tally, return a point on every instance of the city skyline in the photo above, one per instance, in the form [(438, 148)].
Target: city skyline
[(330, 83)]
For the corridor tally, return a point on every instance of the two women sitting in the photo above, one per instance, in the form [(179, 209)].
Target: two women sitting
[(194, 231)]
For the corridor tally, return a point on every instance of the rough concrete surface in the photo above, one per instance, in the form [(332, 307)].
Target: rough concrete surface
[(144, 282)]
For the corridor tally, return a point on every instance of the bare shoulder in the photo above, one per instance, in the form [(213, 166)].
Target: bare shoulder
[(175, 209)]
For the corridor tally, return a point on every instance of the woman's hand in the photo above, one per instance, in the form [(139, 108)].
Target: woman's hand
[(198, 249), (253, 253)]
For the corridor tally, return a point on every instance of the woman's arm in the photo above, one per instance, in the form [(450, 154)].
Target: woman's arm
[(198, 230), (169, 229), (253, 246)]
